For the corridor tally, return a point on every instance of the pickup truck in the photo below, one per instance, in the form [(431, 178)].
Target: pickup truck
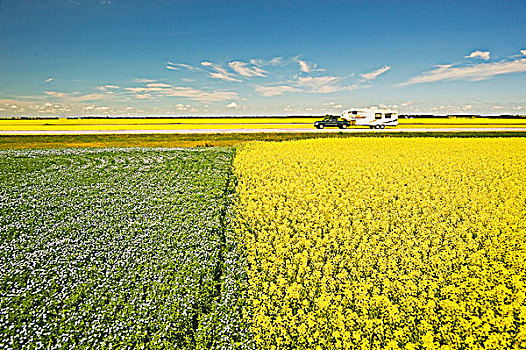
[(332, 121)]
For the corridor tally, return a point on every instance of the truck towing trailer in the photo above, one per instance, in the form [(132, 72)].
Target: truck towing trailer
[(332, 121)]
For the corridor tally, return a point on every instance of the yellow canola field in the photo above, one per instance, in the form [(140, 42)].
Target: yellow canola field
[(385, 243), (435, 123)]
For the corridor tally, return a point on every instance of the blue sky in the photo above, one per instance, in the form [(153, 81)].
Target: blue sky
[(192, 57)]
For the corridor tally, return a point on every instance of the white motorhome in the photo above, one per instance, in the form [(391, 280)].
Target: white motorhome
[(371, 117)]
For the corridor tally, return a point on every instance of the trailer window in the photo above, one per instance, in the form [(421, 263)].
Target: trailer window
[(388, 115), (354, 112), (378, 115)]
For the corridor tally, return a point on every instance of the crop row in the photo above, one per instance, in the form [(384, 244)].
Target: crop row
[(118, 249), (385, 243)]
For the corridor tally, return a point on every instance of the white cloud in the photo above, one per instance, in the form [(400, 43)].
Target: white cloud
[(231, 105), (481, 71), (158, 85), (188, 80), (182, 107), (142, 89), (88, 97), (223, 75), (304, 67), (385, 106), (7, 102), (142, 80), (108, 87), (49, 79), (243, 69), (143, 96), (315, 82), (166, 90), (176, 66), (276, 61), (333, 104), (523, 52), (74, 97), (319, 85), (376, 73), (323, 84), (481, 54), (275, 90), (49, 108), (55, 94), (220, 73), (307, 67)]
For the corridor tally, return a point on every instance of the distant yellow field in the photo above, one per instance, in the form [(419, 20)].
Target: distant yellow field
[(231, 123), (118, 127), (427, 123), (153, 124), (135, 121)]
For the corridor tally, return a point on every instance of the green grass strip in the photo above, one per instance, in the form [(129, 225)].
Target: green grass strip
[(207, 140)]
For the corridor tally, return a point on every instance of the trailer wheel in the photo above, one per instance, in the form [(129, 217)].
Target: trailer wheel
[(321, 126), (370, 126), (344, 126), (377, 126), (382, 126)]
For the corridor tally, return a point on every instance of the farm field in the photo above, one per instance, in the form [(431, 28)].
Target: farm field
[(328, 243), (417, 123), (152, 124), (117, 249), (413, 243)]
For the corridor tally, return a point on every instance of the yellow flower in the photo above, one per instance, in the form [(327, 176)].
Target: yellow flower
[(385, 242)]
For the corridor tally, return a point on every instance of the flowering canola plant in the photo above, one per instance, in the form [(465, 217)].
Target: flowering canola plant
[(414, 243)]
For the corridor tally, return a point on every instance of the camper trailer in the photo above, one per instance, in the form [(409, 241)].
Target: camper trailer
[(371, 117)]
